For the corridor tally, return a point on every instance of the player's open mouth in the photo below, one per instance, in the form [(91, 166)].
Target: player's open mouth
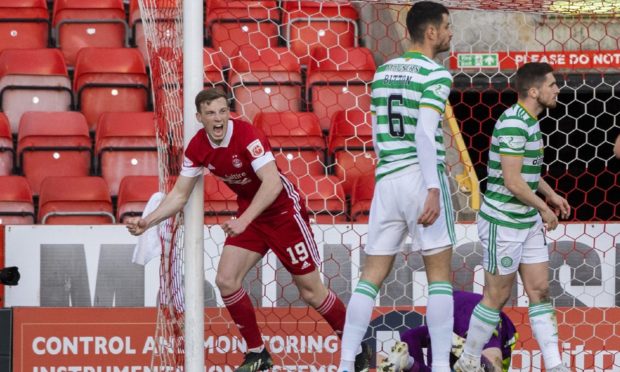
[(218, 130)]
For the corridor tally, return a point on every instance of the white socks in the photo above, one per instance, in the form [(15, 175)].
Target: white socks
[(483, 322), (359, 312), (440, 321), (545, 329)]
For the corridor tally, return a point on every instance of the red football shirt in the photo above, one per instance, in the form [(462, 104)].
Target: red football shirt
[(242, 152)]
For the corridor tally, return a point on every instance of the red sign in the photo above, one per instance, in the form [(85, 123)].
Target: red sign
[(602, 59), (122, 339)]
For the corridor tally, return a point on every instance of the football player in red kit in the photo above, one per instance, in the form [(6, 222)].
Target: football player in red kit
[(271, 216)]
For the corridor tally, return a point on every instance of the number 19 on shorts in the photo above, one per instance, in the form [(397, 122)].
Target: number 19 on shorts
[(298, 253)]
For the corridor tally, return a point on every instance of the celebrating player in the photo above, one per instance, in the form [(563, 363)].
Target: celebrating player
[(512, 220), (271, 215), (409, 95)]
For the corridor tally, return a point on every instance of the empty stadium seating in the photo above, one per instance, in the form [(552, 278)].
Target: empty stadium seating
[(110, 79), (162, 25), (6, 147), (220, 202), (24, 24), (75, 201), (232, 24), (311, 24), (125, 145), (79, 24), (350, 130), (33, 80), (361, 198), (296, 140), (350, 146), (267, 80), (339, 79), (324, 197), (348, 165), (53, 144), (15, 201), (133, 194)]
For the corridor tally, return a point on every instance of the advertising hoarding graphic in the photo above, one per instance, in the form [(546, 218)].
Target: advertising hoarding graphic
[(600, 59), (121, 339), (584, 263)]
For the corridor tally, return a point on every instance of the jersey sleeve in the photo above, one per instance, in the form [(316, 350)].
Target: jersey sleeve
[(258, 150), (511, 137), (191, 166), (436, 90)]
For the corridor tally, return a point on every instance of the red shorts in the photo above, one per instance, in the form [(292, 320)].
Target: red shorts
[(288, 234)]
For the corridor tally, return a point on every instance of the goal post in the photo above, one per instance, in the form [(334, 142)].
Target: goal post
[(193, 70)]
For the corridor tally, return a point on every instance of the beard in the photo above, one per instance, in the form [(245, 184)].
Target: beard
[(550, 103)]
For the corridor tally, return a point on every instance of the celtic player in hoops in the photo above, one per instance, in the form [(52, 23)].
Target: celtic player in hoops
[(512, 220), (409, 95)]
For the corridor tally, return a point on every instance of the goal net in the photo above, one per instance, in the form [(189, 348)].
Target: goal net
[(301, 71)]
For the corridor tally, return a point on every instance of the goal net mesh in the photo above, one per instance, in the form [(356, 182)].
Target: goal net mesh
[(301, 71)]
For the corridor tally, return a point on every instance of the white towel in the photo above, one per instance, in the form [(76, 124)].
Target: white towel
[(149, 243)]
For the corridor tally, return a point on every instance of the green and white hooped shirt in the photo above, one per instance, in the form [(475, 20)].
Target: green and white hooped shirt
[(400, 88), (516, 133)]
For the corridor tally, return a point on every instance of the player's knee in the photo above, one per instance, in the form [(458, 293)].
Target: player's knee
[(227, 283), (313, 296), (539, 293), (497, 296)]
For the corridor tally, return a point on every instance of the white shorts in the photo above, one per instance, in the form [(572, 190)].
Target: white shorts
[(506, 247), (397, 203)]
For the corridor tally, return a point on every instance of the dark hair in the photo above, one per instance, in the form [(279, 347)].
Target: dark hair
[(421, 15), (531, 74), (207, 96)]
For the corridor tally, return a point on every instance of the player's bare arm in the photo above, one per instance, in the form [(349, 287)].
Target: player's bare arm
[(270, 188), (511, 170), (559, 205), (171, 205)]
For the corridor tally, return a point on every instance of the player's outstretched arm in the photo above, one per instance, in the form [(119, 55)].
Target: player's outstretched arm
[(270, 188), (511, 170), (171, 205)]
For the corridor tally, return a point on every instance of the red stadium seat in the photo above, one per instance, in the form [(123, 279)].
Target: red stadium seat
[(311, 24), (339, 79), (24, 24), (33, 80), (291, 130), (15, 201), (214, 69), (79, 24), (53, 144), (325, 198), (296, 163), (296, 140), (110, 79), (267, 80), (350, 130), (125, 145), (75, 201), (348, 165), (233, 24), (6, 147), (220, 202), (133, 194), (361, 197), (163, 24)]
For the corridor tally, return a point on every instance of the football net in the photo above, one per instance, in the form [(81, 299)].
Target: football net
[(301, 72)]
